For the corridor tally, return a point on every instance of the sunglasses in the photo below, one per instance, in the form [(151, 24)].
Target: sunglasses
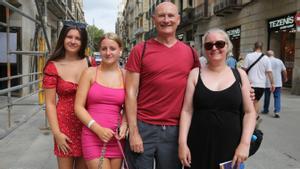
[(218, 44), (70, 23)]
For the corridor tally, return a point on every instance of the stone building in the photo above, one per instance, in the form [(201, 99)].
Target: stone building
[(26, 29), (246, 21)]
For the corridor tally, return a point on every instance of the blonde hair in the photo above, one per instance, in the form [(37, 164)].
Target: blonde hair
[(111, 36), (222, 32)]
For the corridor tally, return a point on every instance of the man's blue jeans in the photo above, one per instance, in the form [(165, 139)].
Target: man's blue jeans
[(277, 100)]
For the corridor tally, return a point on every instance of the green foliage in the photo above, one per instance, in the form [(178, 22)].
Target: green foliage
[(94, 36)]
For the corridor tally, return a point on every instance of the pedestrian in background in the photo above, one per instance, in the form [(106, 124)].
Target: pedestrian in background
[(99, 101), (211, 129), (278, 71), (259, 68), (156, 77), (231, 61), (61, 76), (240, 62), (203, 60)]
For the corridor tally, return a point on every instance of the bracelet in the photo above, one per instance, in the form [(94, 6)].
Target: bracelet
[(91, 123)]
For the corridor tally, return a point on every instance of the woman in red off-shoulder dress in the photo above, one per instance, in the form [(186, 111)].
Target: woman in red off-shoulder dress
[(61, 75)]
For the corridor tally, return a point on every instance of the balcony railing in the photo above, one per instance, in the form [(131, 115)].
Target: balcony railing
[(226, 7), (201, 13)]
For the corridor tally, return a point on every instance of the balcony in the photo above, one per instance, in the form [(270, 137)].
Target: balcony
[(57, 8), (187, 18), (138, 31), (188, 8), (227, 7), (200, 13)]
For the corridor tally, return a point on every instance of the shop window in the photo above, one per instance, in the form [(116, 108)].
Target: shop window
[(283, 45), (2, 14)]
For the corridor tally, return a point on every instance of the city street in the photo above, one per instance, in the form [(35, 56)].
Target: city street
[(30, 147)]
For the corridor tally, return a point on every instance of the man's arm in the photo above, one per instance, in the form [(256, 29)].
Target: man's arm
[(284, 74), (132, 80), (270, 76)]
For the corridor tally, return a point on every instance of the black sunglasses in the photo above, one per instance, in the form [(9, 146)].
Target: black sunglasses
[(219, 44), (76, 24)]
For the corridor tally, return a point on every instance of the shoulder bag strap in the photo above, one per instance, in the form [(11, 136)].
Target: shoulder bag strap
[(254, 63), (143, 54)]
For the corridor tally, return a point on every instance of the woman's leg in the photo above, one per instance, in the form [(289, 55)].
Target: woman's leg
[(94, 164), (65, 162), (80, 163), (116, 163)]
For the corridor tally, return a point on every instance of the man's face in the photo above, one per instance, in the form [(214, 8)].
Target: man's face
[(166, 18)]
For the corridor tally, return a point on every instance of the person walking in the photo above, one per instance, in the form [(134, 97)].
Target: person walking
[(213, 130), (99, 101), (278, 71), (61, 76), (156, 77), (259, 68), (203, 61), (231, 61)]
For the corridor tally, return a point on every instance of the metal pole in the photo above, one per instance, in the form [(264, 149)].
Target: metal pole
[(8, 5), (17, 87), (8, 68), (3, 24), (43, 23), (17, 76), (35, 53), (40, 65)]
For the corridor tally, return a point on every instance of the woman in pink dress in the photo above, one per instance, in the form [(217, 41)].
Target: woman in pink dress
[(98, 104), (61, 75)]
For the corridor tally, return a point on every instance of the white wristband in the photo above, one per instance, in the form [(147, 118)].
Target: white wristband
[(91, 123)]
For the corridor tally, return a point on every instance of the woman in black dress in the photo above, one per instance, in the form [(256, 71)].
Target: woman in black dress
[(212, 128)]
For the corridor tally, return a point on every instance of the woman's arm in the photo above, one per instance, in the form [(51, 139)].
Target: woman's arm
[(249, 120), (186, 118), (50, 101), (123, 125), (61, 139)]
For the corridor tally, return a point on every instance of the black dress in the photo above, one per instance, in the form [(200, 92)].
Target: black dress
[(216, 128)]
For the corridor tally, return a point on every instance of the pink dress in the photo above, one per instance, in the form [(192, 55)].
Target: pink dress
[(104, 105)]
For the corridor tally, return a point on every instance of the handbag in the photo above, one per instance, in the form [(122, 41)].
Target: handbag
[(257, 135), (256, 140)]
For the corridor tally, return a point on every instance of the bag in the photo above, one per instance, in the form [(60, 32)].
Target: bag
[(257, 136), (256, 140)]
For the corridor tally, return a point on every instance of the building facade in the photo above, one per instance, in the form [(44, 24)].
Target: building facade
[(246, 21), (25, 33)]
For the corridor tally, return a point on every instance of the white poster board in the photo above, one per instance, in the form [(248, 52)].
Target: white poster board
[(12, 47)]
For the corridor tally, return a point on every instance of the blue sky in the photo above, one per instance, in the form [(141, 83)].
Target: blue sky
[(103, 13)]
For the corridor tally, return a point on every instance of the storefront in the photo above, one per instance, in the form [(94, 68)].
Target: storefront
[(235, 36), (281, 39)]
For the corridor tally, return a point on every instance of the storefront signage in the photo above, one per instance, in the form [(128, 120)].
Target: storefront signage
[(234, 33), (282, 23)]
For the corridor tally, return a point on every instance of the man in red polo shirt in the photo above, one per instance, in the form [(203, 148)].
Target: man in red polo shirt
[(156, 79)]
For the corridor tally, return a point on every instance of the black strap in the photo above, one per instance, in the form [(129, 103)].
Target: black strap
[(254, 63), (88, 61), (237, 75), (143, 53)]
